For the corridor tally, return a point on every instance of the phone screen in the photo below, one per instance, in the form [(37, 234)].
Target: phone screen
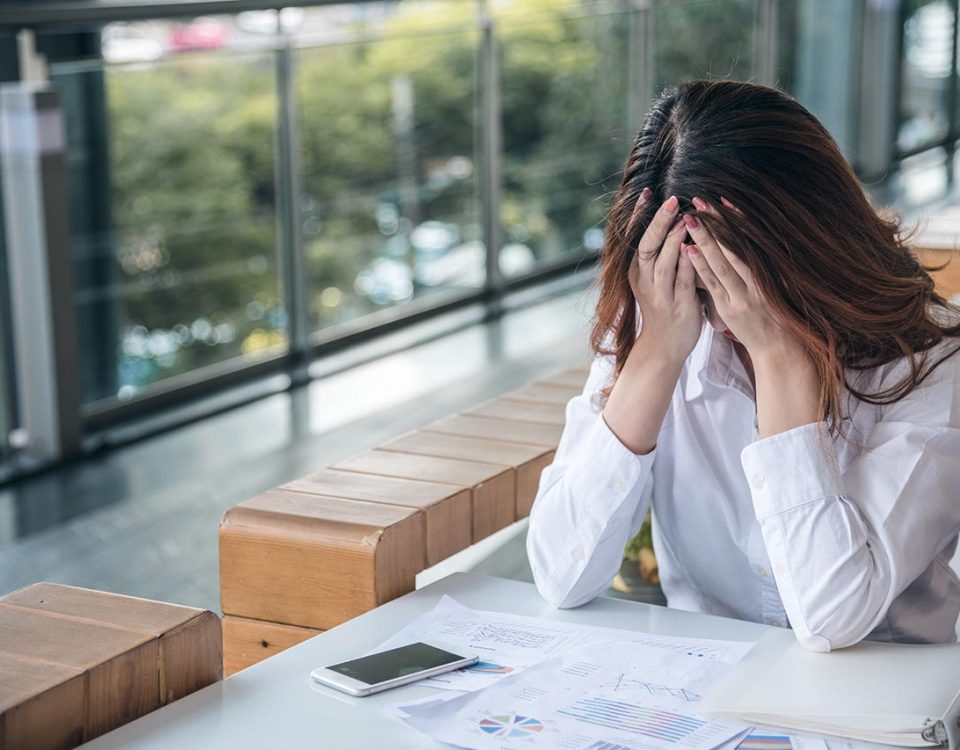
[(396, 662)]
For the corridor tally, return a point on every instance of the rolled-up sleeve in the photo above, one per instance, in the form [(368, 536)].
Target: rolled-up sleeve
[(844, 545), (591, 500)]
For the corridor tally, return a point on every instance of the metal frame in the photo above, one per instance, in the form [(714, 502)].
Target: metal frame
[(289, 224), (641, 54), (488, 79), (37, 219), (767, 41), (54, 13)]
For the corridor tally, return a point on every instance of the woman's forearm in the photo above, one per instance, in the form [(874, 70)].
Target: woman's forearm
[(788, 393), (641, 395)]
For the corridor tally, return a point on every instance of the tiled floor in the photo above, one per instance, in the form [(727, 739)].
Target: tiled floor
[(142, 520)]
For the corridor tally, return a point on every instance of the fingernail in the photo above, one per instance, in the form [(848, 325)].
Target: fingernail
[(700, 204), (671, 203), (691, 221), (693, 251), (646, 193)]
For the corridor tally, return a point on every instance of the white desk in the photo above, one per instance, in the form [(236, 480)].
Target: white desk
[(274, 704)]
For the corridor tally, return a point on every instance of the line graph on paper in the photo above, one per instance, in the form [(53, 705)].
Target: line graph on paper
[(700, 650), (622, 683)]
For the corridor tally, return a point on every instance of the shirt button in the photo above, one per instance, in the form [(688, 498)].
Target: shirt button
[(758, 482), (762, 572), (618, 485)]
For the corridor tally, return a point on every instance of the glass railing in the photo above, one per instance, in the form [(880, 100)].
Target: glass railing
[(174, 228), (565, 89), (179, 162), (389, 199)]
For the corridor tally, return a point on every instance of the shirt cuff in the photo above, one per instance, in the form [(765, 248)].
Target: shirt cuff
[(608, 472), (791, 468)]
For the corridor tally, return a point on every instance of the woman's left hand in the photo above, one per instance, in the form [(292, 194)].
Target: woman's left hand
[(737, 297), (787, 384)]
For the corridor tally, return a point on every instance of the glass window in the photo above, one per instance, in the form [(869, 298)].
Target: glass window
[(390, 209), (171, 167), (927, 65), (565, 98), (712, 39)]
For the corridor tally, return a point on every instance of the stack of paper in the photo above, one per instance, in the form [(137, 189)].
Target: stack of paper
[(555, 685)]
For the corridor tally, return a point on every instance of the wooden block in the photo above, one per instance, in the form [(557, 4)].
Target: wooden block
[(189, 638), (493, 487), (76, 663), (448, 511), (316, 561), (528, 460), (546, 392), (119, 666), (41, 704), (245, 641), (494, 428), (523, 411), (947, 279)]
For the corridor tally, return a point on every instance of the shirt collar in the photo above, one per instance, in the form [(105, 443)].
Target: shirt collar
[(714, 360)]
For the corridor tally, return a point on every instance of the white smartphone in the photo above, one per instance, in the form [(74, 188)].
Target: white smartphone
[(389, 669)]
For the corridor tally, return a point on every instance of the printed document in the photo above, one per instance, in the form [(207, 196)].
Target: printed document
[(605, 694), (509, 643)]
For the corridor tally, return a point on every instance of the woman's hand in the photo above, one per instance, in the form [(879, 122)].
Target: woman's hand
[(735, 294), (663, 284), (787, 384)]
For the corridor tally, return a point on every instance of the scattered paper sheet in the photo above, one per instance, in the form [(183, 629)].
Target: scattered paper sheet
[(600, 695), (507, 644)]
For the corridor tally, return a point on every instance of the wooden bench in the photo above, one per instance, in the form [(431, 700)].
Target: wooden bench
[(76, 663), (327, 547), (938, 244)]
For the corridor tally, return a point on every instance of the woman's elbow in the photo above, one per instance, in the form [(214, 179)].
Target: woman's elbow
[(845, 625), (563, 596), (557, 584)]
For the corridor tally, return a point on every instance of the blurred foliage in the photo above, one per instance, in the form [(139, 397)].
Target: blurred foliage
[(192, 144), (643, 539)]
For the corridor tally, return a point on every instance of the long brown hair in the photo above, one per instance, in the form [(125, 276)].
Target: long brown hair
[(839, 274)]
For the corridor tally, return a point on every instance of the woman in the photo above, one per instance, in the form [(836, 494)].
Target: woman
[(801, 451)]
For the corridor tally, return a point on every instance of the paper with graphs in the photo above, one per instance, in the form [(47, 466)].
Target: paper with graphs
[(606, 695), (508, 643)]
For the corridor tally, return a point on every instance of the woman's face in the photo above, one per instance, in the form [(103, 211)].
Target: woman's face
[(710, 310)]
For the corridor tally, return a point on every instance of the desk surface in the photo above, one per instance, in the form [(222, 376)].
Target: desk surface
[(276, 704)]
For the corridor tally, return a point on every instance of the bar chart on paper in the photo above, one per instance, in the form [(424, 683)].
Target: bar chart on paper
[(632, 718), (595, 694)]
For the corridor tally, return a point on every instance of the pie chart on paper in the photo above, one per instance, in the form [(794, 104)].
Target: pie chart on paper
[(511, 725)]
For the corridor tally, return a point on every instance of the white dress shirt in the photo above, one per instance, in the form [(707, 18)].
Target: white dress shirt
[(840, 539)]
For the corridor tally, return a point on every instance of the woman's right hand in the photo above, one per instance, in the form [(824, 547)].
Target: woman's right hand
[(663, 283)]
